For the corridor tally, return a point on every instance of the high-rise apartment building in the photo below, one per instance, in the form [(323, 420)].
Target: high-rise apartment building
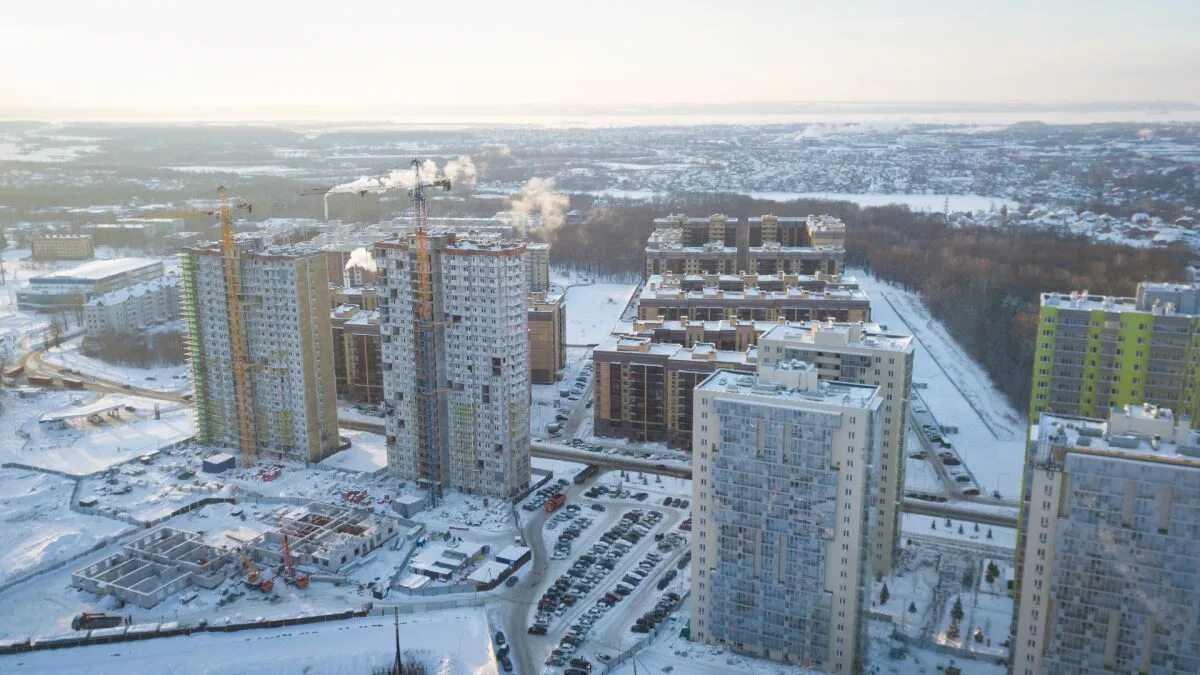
[(1096, 352), (863, 354), (456, 383), (357, 354), (782, 508), (1111, 524), (283, 293)]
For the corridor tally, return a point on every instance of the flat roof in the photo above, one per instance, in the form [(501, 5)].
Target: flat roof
[(863, 335), (95, 270), (827, 392), (1098, 436)]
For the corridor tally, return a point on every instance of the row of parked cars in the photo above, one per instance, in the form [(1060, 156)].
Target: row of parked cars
[(562, 547), (543, 495), (666, 604)]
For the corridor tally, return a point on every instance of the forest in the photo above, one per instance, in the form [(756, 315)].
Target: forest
[(982, 283)]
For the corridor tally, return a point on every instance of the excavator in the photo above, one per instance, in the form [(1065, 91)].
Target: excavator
[(254, 577)]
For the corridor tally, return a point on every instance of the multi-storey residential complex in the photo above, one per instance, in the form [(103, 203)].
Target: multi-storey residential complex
[(457, 385), (547, 337), (538, 267), (357, 354), (753, 298), (284, 298), (133, 308), (1112, 536), (1096, 352), (782, 497), (62, 247), (643, 389), (862, 354), (766, 244), (69, 289)]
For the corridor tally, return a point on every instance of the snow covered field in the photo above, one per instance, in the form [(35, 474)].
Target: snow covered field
[(991, 433), (593, 310), (161, 378), (916, 202), (449, 642), (84, 447), (38, 526)]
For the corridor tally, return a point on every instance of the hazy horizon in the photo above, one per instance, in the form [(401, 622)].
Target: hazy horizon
[(137, 60)]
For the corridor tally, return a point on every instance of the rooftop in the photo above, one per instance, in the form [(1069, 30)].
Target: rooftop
[(95, 270), (1144, 432), (826, 392), (136, 290), (1159, 298), (830, 334)]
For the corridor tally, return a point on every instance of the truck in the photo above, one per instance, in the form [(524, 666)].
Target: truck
[(555, 501), (92, 620)]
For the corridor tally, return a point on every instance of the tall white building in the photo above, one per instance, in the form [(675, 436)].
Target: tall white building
[(538, 269), (457, 390), (1111, 525), (862, 353), (283, 293), (782, 512)]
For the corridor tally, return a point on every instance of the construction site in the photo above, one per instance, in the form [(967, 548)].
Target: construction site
[(321, 536)]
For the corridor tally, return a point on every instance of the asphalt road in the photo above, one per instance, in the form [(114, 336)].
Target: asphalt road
[(35, 365)]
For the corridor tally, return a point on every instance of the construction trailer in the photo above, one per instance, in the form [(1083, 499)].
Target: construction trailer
[(322, 536), (152, 568)]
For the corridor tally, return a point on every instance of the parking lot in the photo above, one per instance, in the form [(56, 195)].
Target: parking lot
[(619, 565)]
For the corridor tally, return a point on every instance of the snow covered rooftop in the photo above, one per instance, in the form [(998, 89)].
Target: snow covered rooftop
[(122, 294), (828, 333), (95, 270), (1132, 432), (822, 391)]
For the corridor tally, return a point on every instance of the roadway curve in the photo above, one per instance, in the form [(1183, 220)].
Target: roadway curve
[(35, 365)]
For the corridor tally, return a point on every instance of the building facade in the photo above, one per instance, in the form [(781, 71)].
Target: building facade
[(284, 307), (131, 309), (538, 261), (760, 245), (62, 247), (782, 495), (357, 354), (1108, 580), (456, 383), (547, 337), (861, 354), (778, 297), (70, 289), (1096, 352)]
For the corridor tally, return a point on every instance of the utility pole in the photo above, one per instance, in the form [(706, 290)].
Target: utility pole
[(399, 666)]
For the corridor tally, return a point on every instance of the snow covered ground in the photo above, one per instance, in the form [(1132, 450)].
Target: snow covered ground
[(160, 378), (934, 526), (593, 310), (84, 447), (38, 526), (449, 642), (367, 452), (991, 433)]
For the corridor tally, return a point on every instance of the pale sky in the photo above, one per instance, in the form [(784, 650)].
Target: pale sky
[(160, 56)]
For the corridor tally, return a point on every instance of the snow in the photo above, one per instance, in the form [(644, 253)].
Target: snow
[(38, 526), (921, 525), (100, 269), (593, 310), (916, 202), (171, 378), (990, 440), (449, 642), (84, 448), (367, 452)]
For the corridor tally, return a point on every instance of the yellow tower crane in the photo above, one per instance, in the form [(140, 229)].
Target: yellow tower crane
[(237, 338)]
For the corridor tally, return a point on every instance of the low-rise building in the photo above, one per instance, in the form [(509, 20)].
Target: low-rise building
[(547, 337), (764, 244), (70, 289), (151, 568), (62, 247), (134, 308)]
